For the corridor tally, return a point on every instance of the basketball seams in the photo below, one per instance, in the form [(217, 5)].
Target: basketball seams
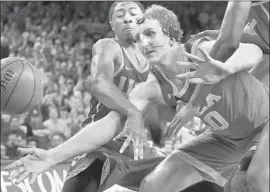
[(34, 89), (9, 64), (15, 83)]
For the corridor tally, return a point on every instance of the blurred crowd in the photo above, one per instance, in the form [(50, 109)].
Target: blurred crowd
[(57, 38)]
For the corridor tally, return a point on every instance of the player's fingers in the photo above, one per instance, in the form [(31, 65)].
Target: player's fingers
[(141, 142), (197, 81), (194, 58), (185, 75), (196, 36), (16, 173), (205, 54), (34, 177), (120, 135), (26, 151), (136, 150), (187, 64), (126, 143), (23, 176), (177, 129), (13, 165), (173, 126)]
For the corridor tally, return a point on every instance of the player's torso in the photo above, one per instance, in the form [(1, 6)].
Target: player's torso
[(259, 20), (127, 75), (236, 106)]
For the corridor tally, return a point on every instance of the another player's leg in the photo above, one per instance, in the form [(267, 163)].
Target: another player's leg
[(86, 181), (199, 160), (171, 175), (258, 171)]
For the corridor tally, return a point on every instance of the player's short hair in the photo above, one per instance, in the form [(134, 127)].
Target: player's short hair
[(111, 11), (168, 20)]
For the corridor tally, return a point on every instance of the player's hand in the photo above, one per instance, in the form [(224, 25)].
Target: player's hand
[(213, 34), (36, 162), (208, 70), (135, 132), (183, 116)]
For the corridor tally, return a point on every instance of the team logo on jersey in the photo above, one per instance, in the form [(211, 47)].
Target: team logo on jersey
[(129, 69)]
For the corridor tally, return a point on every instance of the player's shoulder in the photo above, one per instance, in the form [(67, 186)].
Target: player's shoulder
[(106, 44)]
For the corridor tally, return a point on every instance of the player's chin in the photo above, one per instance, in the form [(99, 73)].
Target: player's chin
[(130, 34)]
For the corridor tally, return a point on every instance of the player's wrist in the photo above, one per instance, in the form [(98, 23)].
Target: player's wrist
[(133, 112), (54, 157)]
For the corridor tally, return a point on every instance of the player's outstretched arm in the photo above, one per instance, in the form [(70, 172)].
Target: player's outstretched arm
[(88, 139), (103, 67)]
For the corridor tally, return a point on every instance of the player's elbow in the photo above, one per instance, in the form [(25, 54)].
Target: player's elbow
[(95, 83), (254, 49)]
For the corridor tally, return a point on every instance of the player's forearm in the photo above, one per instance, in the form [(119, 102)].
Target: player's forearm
[(92, 136), (244, 58), (233, 23), (110, 95), (88, 139)]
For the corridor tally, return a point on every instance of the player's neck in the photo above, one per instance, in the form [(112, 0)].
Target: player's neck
[(126, 42)]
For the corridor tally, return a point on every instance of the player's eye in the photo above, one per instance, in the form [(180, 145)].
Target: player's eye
[(150, 33), (120, 13), (133, 12)]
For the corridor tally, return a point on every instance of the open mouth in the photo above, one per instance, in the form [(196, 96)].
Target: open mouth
[(148, 52)]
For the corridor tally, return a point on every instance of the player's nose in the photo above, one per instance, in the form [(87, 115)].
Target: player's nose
[(128, 18)]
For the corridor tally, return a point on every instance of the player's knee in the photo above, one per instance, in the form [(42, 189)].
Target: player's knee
[(238, 182), (148, 184), (257, 178)]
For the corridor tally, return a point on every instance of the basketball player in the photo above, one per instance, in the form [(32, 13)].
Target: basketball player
[(159, 39), (117, 66), (234, 125)]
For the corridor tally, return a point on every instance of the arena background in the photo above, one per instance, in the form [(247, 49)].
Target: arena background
[(57, 38)]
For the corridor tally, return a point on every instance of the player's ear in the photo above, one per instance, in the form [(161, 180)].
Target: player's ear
[(111, 24), (172, 40)]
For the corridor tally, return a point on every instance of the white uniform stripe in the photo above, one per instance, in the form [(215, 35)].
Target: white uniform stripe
[(217, 177), (265, 11)]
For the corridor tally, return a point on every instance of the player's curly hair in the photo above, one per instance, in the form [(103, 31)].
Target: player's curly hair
[(111, 11), (168, 20)]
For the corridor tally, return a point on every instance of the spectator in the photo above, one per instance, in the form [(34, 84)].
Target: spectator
[(4, 152), (4, 47), (32, 142), (57, 139), (14, 140), (56, 125)]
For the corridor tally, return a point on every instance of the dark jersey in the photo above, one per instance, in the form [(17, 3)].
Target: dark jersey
[(126, 78)]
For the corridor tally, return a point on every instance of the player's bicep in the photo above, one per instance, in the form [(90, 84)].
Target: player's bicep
[(103, 60)]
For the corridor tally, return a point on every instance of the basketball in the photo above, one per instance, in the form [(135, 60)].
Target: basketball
[(21, 86)]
